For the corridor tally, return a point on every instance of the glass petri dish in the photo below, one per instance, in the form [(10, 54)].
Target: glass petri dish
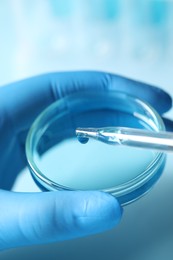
[(57, 161)]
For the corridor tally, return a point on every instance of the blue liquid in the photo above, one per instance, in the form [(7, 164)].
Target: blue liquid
[(83, 140), (93, 166)]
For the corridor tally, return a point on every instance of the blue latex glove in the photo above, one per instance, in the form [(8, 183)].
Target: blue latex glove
[(34, 218)]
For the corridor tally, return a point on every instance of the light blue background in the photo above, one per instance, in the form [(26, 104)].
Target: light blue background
[(133, 38)]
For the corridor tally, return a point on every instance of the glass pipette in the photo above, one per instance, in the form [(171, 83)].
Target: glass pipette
[(128, 136)]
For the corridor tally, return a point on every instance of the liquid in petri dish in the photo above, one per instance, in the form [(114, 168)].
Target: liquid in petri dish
[(94, 166)]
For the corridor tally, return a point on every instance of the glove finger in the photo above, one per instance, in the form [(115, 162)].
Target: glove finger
[(38, 218), (155, 96), (168, 124), (24, 100)]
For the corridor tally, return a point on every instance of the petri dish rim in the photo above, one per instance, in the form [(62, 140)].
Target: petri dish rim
[(119, 190)]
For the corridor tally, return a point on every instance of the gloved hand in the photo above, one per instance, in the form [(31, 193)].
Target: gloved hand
[(34, 218)]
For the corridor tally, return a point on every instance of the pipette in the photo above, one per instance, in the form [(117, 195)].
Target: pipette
[(128, 136)]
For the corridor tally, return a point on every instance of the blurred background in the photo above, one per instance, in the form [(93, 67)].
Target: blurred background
[(133, 38), (130, 37)]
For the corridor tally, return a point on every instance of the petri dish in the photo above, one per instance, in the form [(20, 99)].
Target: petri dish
[(58, 161)]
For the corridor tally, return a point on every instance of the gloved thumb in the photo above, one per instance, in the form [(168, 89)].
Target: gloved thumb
[(38, 218)]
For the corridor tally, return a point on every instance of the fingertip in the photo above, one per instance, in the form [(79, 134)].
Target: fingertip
[(101, 212), (144, 91), (111, 206)]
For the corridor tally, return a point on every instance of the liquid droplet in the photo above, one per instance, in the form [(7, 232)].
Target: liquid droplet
[(82, 139)]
